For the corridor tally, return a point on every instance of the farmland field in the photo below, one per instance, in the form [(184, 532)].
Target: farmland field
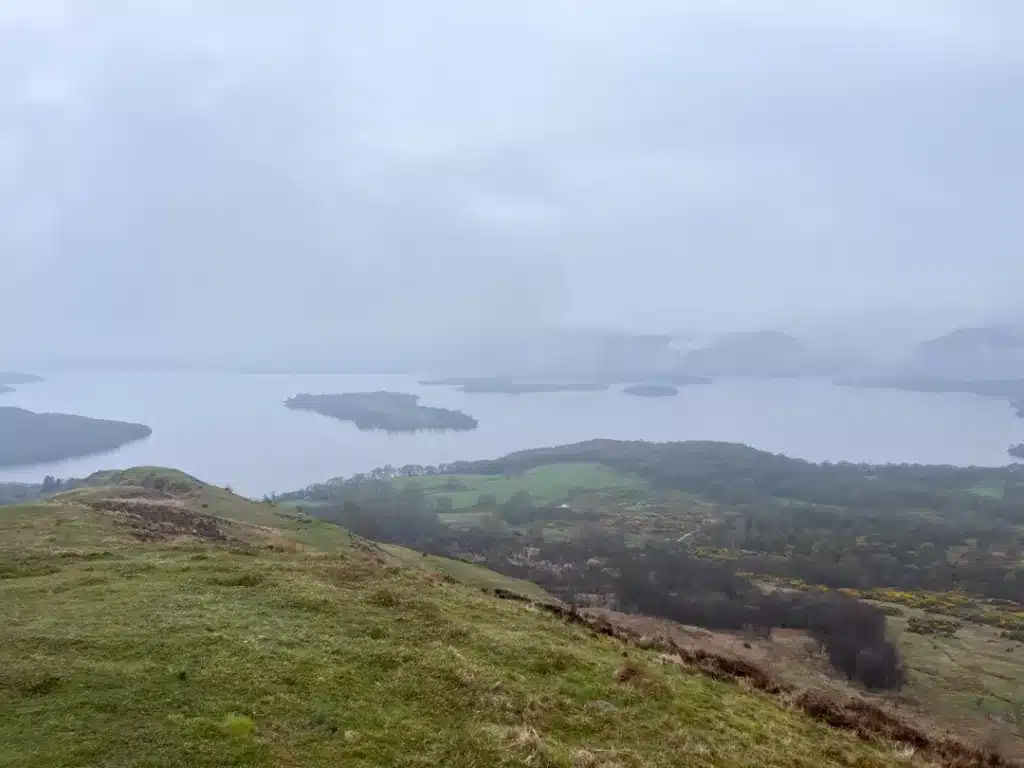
[(551, 483)]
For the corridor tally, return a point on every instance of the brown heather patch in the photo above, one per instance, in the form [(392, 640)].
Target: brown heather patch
[(869, 721)]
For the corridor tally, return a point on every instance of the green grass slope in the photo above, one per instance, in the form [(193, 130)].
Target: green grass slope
[(550, 483), (466, 573), (976, 672), (151, 620)]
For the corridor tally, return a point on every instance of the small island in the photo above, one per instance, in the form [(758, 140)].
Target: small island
[(500, 385), (9, 380), (28, 438), (1019, 407), (1009, 389), (651, 390), (389, 411), (19, 378)]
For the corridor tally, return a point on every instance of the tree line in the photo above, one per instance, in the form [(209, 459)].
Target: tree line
[(661, 579)]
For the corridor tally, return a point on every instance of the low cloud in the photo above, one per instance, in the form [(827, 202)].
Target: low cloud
[(211, 176)]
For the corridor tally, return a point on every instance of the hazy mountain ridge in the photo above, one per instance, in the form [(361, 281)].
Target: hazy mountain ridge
[(983, 353), (765, 353)]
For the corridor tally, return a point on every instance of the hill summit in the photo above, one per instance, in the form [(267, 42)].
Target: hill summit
[(149, 618)]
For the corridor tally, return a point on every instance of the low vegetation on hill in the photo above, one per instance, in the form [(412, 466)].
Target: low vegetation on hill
[(730, 538), (148, 617), (839, 525), (656, 578), (28, 438), (390, 411)]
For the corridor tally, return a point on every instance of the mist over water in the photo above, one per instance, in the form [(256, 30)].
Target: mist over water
[(234, 430)]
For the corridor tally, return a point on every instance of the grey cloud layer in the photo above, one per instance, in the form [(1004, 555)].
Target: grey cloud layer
[(179, 172)]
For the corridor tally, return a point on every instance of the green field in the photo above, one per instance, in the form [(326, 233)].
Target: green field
[(993, 489), (163, 622), (973, 680), (552, 483), (196, 659)]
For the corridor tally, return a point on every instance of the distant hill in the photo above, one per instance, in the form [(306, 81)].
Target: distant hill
[(569, 355), (969, 354), (770, 354), (986, 361), (28, 438)]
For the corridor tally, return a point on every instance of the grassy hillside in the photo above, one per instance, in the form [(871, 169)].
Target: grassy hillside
[(975, 670), (550, 483), (948, 540), (149, 619), (466, 573)]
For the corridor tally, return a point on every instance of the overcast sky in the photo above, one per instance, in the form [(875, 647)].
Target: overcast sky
[(209, 174)]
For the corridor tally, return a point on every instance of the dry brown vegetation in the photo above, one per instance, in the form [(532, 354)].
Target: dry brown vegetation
[(153, 519), (868, 719)]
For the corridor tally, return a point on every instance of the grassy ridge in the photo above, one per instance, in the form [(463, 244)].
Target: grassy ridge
[(158, 621), (970, 682), (467, 573), (182, 658)]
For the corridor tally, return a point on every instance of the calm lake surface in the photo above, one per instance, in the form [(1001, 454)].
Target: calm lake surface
[(233, 429)]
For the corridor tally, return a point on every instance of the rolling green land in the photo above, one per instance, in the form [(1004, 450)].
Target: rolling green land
[(391, 411), (147, 618), (944, 543), (973, 674), (552, 483)]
